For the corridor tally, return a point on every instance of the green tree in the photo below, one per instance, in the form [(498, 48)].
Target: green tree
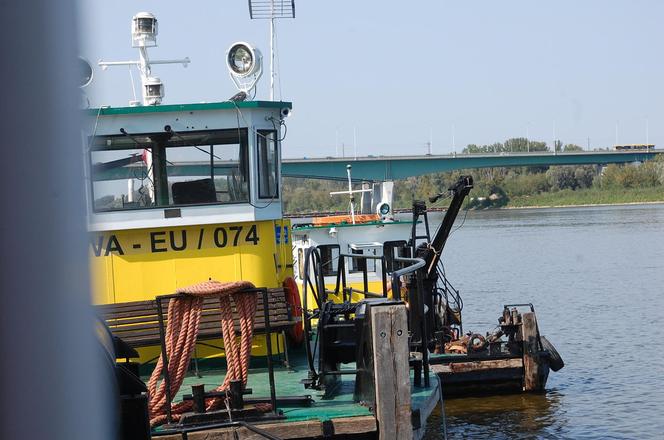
[(562, 177), (572, 147), (584, 176)]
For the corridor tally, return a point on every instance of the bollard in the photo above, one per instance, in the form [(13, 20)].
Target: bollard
[(198, 394), (235, 394)]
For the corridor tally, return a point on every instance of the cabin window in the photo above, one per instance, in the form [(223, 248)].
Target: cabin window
[(329, 259), (360, 264), (268, 162), (138, 171)]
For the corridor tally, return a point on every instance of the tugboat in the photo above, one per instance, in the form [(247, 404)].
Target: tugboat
[(189, 249), (340, 262)]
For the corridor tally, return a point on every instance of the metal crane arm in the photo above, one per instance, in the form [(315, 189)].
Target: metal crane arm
[(459, 191)]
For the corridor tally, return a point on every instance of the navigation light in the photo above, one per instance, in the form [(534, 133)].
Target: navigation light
[(144, 30), (153, 91)]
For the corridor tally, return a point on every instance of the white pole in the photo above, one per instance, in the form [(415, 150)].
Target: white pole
[(527, 138), (453, 140), (150, 166), (430, 140), (647, 133), (554, 137), (355, 141), (350, 193), (130, 190), (272, 51), (336, 143), (616, 133)]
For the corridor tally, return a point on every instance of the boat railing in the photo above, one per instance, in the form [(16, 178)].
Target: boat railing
[(409, 267), (346, 291)]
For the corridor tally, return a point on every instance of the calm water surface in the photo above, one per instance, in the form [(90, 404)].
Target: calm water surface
[(596, 278)]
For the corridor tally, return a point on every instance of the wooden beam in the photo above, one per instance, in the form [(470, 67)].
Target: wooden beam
[(389, 324), (286, 430), (531, 377), (466, 367)]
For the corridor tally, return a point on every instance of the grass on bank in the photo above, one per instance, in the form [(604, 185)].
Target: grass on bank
[(589, 196)]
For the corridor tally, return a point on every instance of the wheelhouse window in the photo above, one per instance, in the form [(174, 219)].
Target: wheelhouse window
[(267, 164), (138, 171), (360, 264), (329, 258)]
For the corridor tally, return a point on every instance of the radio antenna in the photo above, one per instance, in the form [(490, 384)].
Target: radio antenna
[(271, 10)]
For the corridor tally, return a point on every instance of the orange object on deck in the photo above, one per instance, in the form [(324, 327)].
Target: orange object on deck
[(340, 219)]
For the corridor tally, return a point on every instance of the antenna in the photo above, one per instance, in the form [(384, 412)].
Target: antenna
[(271, 10), (351, 193), (144, 30)]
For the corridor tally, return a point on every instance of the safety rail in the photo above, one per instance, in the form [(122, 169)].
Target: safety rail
[(316, 282)]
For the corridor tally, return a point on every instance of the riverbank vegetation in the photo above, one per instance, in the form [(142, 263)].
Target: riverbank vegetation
[(506, 187)]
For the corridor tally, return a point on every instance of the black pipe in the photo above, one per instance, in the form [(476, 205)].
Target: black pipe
[(307, 321), (424, 340)]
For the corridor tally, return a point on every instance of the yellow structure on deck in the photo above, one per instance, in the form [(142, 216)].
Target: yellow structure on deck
[(179, 194)]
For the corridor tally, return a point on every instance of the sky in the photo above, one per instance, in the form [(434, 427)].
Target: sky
[(390, 77)]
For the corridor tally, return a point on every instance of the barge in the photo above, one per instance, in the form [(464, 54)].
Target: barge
[(344, 259)]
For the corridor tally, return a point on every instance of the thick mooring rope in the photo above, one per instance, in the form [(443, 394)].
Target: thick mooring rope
[(184, 316)]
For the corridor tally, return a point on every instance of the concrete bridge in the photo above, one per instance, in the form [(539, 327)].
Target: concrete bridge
[(378, 168)]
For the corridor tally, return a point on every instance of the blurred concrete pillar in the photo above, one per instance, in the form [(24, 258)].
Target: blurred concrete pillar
[(51, 376)]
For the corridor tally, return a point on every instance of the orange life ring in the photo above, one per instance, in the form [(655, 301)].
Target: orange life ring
[(296, 332)]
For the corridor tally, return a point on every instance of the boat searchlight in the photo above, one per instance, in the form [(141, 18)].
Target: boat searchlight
[(245, 65)]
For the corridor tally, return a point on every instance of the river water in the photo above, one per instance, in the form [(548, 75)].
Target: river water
[(596, 278)]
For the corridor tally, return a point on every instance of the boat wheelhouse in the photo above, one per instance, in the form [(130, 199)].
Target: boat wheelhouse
[(179, 194)]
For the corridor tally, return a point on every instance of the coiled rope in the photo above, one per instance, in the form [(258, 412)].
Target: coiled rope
[(184, 316)]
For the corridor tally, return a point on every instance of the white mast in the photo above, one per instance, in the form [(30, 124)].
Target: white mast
[(351, 193), (272, 50), (144, 32), (270, 10)]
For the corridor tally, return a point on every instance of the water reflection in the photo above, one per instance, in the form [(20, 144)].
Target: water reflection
[(511, 416)]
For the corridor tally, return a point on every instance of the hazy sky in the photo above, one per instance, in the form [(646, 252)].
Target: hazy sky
[(400, 72)]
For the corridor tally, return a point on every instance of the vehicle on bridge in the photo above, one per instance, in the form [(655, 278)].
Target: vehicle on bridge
[(631, 147)]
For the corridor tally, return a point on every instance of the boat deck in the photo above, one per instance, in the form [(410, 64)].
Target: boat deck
[(340, 412)]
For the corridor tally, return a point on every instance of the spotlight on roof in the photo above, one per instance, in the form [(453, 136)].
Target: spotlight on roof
[(144, 30), (245, 65), (85, 72)]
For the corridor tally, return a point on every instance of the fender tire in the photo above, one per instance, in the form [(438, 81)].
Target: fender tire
[(296, 332), (555, 360)]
